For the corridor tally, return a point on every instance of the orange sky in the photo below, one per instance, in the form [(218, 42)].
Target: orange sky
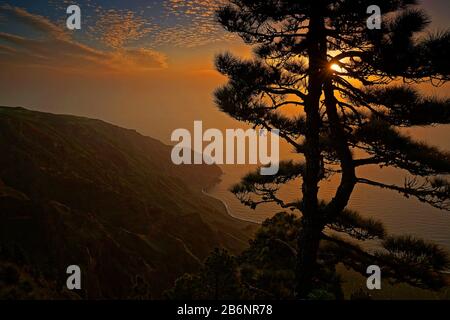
[(127, 67)]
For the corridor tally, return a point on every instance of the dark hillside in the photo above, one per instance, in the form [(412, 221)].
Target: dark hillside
[(80, 191)]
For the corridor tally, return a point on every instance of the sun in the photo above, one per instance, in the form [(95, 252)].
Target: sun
[(336, 67)]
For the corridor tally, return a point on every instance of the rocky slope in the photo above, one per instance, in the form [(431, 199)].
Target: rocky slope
[(80, 191)]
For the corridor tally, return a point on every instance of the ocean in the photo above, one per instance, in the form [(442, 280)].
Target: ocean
[(400, 215)]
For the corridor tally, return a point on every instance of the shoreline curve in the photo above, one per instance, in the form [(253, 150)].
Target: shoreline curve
[(227, 208)]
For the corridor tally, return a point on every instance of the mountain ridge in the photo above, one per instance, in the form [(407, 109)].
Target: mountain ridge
[(75, 190)]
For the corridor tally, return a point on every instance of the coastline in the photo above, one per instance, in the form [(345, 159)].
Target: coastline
[(227, 208)]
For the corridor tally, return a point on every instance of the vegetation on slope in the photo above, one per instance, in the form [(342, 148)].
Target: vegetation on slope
[(80, 191)]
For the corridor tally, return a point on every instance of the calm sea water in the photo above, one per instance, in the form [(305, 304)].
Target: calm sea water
[(399, 214)]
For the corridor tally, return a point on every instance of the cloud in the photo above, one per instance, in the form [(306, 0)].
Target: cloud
[(37, 22), (57, 49), (116, 28), (197, 25), (6, 49), (140, 58), (179, 23)]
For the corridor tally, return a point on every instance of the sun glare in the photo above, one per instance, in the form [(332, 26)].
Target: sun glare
[(335, 67)]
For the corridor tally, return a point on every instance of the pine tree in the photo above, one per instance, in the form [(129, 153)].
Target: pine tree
[(351, 89), (217, 280)]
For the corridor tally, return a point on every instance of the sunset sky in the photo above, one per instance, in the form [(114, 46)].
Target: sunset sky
[(146, 65)]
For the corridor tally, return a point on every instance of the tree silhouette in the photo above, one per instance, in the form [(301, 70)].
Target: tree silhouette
[(217, 280), (338, 92)]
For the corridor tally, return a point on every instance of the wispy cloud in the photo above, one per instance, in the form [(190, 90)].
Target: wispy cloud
[(120, 39), (116, 28), (56, 48), (37, 22), (197, 25), (178, 23)]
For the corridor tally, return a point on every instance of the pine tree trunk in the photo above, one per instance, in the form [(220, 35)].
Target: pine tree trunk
[(348, 175), (308, 246), (309, 237)]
